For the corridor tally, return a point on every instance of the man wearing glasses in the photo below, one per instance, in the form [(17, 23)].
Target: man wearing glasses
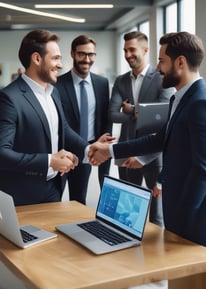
[(85, 99)]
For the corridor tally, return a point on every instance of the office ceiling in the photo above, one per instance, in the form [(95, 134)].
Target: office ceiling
[(96, 19)]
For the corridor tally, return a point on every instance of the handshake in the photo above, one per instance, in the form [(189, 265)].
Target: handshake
[(64, 161), (99, 151)]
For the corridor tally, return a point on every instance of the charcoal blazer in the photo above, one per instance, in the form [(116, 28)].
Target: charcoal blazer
[(183, 175), (25, 143), (151, 91)]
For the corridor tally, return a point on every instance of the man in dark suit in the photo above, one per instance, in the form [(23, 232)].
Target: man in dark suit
[(143, 84), (35, 139), (182, 139), (83, 53)]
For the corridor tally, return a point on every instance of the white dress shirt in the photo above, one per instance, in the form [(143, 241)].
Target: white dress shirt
[(43, 95)]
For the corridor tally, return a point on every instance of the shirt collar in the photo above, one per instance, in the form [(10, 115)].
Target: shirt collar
[(37, 88), (179, 93), (78, 79), (142, 73)]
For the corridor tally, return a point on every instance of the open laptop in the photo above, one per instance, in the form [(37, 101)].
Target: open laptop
[(120, 218), (151, 117), (24, 236)]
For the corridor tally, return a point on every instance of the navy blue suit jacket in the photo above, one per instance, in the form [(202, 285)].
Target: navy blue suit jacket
[(70, 105), (25, 143), (183, 175)]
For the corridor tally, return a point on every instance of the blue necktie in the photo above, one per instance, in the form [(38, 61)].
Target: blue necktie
[(83, 111)]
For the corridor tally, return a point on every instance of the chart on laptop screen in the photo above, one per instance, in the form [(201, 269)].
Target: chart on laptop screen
[(126, 205)]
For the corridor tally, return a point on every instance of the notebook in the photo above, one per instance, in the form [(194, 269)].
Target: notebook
[(10, 229), (122, 210), (151, 117)]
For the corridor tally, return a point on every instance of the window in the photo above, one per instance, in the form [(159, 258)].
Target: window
[(170, 16), (187, 22), (144, 28), (179, 16)]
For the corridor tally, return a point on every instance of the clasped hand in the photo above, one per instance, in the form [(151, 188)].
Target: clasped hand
[(99, 151), (63, 161)]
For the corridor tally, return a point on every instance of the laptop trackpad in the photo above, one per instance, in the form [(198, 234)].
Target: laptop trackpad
[(84, 236), (30, 229)]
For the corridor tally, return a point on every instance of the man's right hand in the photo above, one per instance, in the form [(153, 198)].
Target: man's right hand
[(98, 153), (63, 161)]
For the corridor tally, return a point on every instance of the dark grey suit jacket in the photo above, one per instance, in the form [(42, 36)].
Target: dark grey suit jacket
[(151, 91), (25, 143), (183, 175)]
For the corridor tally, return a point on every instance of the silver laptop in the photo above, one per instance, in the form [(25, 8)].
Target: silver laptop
[(24, 236), (151, 117), (120, 218)]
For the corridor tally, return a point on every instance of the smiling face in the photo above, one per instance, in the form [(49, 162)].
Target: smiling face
[(83, 58), (135, 53), (168, 69), (50, 63)]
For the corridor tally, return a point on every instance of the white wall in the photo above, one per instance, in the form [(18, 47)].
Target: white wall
[(105, 63)]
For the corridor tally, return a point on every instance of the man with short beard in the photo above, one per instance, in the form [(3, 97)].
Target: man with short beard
[(37, 147), (182, 139), (142, 84), (83, 53)]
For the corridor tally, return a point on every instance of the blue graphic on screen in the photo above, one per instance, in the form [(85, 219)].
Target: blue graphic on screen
[(124, 207)]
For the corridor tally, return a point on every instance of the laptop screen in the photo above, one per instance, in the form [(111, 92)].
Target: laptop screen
[(124, 205)]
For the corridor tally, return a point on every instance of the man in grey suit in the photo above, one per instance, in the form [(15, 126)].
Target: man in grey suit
[(35, 139), (83, 53), (142, 84)]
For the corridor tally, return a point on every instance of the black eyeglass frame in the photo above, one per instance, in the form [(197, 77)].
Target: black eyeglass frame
[(83, 54)]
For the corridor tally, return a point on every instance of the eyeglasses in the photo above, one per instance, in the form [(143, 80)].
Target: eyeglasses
[(83, 54)]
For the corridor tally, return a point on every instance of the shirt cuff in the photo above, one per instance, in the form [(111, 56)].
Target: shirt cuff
[(51, 173)]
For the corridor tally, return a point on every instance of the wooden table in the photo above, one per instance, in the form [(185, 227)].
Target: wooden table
[(62, 263)]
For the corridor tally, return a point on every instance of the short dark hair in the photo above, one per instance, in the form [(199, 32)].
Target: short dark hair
[(183, 43), (81, 40), (135, 34), (35, 41)]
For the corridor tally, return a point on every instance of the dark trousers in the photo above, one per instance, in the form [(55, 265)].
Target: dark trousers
[(78, 180), (150, 174)]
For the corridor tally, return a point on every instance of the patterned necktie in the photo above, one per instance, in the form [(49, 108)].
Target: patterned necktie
[(83, 111)]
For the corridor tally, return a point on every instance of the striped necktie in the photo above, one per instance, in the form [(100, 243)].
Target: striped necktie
[(83, 111)]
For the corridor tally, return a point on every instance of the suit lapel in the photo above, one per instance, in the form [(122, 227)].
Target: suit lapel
[(146, 83), (31, 98), (173, 118), (128, 88), (69, 86), (180, 107)]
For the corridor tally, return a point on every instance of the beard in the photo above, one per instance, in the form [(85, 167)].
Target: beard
[(45, 77), (170, 79), (79, 69), (136, 64)]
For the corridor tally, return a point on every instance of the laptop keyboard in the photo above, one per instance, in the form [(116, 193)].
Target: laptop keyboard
[(27, 237), (103, 233)]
